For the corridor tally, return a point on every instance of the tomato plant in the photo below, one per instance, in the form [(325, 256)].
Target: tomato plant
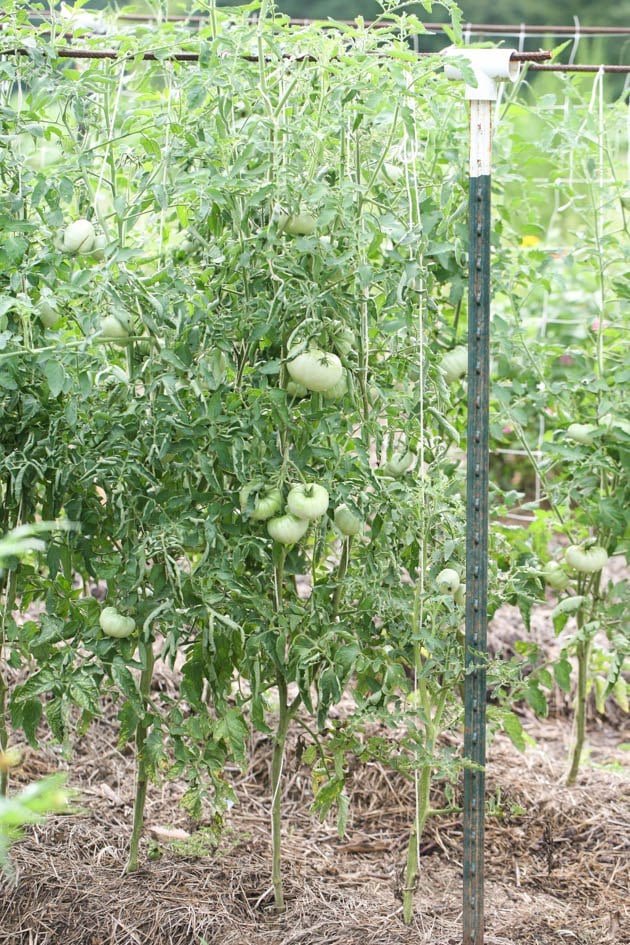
[(232, 350)]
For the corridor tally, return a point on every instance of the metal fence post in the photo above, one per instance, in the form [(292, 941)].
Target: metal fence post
[(489, 66)]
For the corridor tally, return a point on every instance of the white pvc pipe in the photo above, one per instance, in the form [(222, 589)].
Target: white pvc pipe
[(488, 66)]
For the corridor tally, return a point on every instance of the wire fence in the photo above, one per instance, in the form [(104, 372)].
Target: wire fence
[(506, 29), (522, 31)]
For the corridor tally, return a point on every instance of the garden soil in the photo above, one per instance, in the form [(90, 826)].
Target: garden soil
[(557, 858)]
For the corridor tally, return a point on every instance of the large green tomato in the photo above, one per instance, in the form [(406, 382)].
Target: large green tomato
[(454, 364), (314, 369), (555, 576), (581, 432), (398, 464), (100, 245), (586, 560), (344, 338), (115, 327), (308, 502), (266, 501), (287, 529), (116, 625), (300, 224), (79, 237), (296, 390), (448, 581), (347, 522), (338, 390), (48, 313)]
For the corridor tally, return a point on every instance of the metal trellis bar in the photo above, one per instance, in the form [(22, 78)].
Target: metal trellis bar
[(489, 67)]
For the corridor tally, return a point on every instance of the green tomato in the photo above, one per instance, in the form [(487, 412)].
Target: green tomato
[(115, 327), (300, 224), (447, 581), (338, 390), (399, 464), (620, 692), (308, 502), (314, 369), (79, 237), (347, 522), (581, 432), (454, 364), (48, 314), (100, 245), (586, 560), (460, 596), (393, 171), (116, 625), (343, 339), (555, 576), (296, 390), (266, 501), (287, 529)]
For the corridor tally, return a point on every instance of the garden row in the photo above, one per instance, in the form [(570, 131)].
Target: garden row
[(233, 322)]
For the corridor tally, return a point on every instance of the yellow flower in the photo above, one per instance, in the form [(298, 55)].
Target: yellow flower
[(529, 241)]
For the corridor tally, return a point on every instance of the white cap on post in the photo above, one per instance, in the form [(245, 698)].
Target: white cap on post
[(489, 66)]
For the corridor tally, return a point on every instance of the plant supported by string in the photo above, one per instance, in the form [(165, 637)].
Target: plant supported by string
[(146, 384), (567, 412)]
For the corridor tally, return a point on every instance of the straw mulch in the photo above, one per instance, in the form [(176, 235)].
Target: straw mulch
[(557, 863)]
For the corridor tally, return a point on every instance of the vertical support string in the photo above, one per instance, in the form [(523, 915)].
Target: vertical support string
[(576, 40)]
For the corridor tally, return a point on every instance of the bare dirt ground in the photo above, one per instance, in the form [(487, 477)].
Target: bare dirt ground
[(557, 858), (557, 864)]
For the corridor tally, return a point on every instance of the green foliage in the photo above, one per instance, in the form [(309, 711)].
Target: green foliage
[(30, 806), (144, 391)]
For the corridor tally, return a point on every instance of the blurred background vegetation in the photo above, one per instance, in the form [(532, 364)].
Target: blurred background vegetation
[(598, 49)]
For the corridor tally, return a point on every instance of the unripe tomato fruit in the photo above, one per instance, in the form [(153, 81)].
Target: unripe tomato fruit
[(100, 244), (116, 625), (266, 503), (586, 560), (78, 237), (115, 326), (581, 432), (48, 314), (314, 369), (287, 529), (296, 390), (454, 364), (337, 390), (347, 522), (447, 581), (555, 576), (301, 224), (343, 338), (399, 464), (460, 596), (308, 501)]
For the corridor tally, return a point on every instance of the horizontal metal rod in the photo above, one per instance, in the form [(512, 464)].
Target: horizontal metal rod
[(66, 53), (559, 67), (70, 53)]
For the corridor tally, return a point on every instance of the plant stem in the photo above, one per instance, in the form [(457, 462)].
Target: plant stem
[(9, 600), (582, 653), (413, 848), (142, 777), (277, 758), (4, 734), (341, 573), (277, 764)]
